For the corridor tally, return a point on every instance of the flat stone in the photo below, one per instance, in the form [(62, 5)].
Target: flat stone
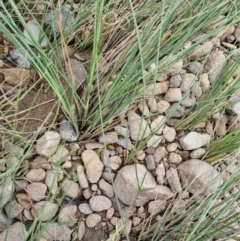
[(13, 209), (150, 163), (106, 188), (173, 95), (45, 210), (157, 89), (93, 165), (162, 106), (144, 108), (169, 134), (68, 215), (15, 232), (175, 68), (123, 131), (160, 172), (85, 208), (67, 132), (194, 140), (82, 179), (6, 190), (51, 181), (37, 191), (71, 189), (54, 231), (188, 81), (152, 104), (201, 50), (48, 143), (159, 154), (125, 143), (36, 175), (196, 174), (158, 124), (81, 230), (156, 206), (174, 158), (34, 31), (19, 59), (171, 147), (173, 180), (92, 220), (108, 138), (154, 141), (115, 162), (100, 203), (62, 155), (110, 213), (139, 128), (16, 76), (125, 225), (198, 153), (126, 184), (94, 145)]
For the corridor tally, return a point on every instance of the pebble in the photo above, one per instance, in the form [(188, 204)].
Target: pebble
[(68, 215), (160, 173), (188, 102), (4, 221), (173, 95), (67, 132), (37, 191), (13, 209), (15, 232), (71, 189), (93, 165), (94, 145), (61, 155), (121, 130), (125, 225), (106, 188), (45, 209), (100, 203), (157, 89), (51, 181), (81, 230), (204, 81), (2, 165), (174, 158), (175, 68), (19, 59), (87, 193), (85, 208), (237, 33), (156, 206), (140, 155), (115, 162), (6, 190), (139, 128), (36, 175), (82, 179), (159, 154), (201, 50), (173, 180), (169, 134), (48, 143), (194, 140), (144, 108), (152, 104), (171, 147), (179, 112), (175, 81), (110, 213), (125, 143), (188, 81), (195, 67), (150, 151), (34, 31), (108, 176), (108, 138), (198, 153), (154, 141), (136, 221), (162, 106), (158, 124), (196, 174), (150, 163), (92, 220)]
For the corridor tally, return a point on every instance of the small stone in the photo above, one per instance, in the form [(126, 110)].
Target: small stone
[(109, 138), (169, 134), (48, 143), (54, 231), (82, 179), (162, 106), (136, 221), (1, 63), (150, 163), (226, 32), (198, 153), (201, 50), (152, 67), (27, 214), (37, 191), (139, 128), (81, 230), (36, 175), (110, 213), (173, 180), (51, 181), (154, 141), (188, 81), (100, 203), (124, 224), (92, 220), (173, 95), (159, 154), (230, 38), (94, 145), (61, 155), (194, 140), (13, 209), (204, 81), (144, 108), (85, 208), (197, 90), (122, 130), (2, 164), (67, 132), (93, 165), (108, 175), (188, 102), (16, 76), (6, 190), (150, 151), (237, 33), (175, 68), (196, 174), (152, 104), (15, 232), (4, 221), (34, 31), (174, 158), (195, 67), (125, 143), (106, 188), (140, 155), (172, 147), (19, 59), (158, 124), (67, 215), (157, 89), (71, 189), (175, 81), (160, 172), (115, 162), (45, 209), (87, 193), (156, 206)]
